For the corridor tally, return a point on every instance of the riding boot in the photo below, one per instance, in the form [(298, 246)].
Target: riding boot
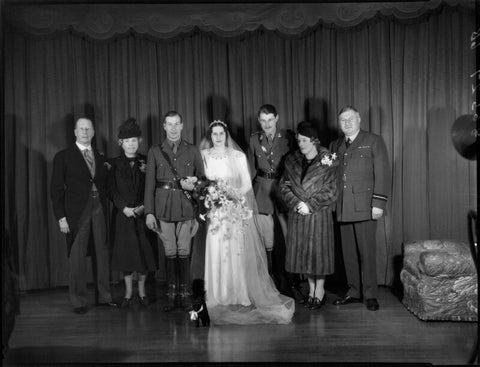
[(269, 262), (171, 280), (184, 268)]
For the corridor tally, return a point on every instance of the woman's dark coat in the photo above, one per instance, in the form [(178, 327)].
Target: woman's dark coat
[(132, 241), (310, 243)]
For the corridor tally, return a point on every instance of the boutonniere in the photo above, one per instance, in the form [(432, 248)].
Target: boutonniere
[(107, 165), (264, 149), (328, 159), (142, 166)]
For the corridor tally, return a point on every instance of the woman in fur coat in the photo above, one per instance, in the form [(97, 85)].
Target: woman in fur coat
[(309, 189)]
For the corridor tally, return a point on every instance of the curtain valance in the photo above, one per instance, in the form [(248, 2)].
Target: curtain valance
[(225, 20)]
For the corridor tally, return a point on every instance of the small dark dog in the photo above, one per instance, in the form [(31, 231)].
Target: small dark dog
[(199, 314)]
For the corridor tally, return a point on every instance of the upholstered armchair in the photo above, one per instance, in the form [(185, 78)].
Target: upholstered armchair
[(440, 280)]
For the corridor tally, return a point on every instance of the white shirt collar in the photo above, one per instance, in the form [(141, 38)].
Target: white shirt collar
[(353, 137), (83, 147)]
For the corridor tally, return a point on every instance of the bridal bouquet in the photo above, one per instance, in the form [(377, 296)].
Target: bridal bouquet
[(223, 205)]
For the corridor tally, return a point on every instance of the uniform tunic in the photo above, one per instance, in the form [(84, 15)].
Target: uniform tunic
[(132, 249), (268, 158), (364, 177), (171, 205), (310, 242)]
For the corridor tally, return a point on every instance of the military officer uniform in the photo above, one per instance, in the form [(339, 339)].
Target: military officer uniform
[(266, 157), (173, 208), (364, 182)]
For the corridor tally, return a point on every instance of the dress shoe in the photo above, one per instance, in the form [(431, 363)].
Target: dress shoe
[(171, 304), (308, 302), (107, 304), (304, 300), (126, 303), (345, 300), (372, 304), (80, 310), (143, 301), (316, 303)]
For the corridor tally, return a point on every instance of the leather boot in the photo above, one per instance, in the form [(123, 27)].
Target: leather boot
[(170, 267), (185, 299), (269, 262), (184, 294), (171, 294)]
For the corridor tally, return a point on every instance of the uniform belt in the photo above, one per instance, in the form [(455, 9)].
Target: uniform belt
[(94, 193), (168, 185), (269, 175)]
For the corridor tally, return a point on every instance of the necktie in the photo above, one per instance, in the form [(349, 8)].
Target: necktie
[(348, 142), (87, 153), (174, 148)]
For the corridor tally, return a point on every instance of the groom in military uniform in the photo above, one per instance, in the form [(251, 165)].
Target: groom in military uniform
[(167, 199)]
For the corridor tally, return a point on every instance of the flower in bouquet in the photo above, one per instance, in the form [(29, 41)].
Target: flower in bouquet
[(224, 206)]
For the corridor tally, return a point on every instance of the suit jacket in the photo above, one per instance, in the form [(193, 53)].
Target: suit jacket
[(364, 177), (168, 204), (270, 159), (71, 186)]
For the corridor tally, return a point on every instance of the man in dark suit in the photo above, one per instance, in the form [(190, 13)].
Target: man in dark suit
[(266, 154), (79, 204), (363, 187), (170, 169)]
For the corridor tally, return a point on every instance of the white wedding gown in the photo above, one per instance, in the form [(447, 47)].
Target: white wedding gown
[(238, 286)]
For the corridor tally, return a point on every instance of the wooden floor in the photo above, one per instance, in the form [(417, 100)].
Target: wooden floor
[(47, 331)]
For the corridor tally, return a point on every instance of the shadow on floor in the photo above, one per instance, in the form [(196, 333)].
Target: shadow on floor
[(63, 354)]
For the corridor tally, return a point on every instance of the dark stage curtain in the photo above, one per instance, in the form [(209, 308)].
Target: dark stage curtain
[(409, 79)]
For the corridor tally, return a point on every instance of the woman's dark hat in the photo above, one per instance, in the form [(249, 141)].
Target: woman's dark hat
[(129, 129), (305, 128)]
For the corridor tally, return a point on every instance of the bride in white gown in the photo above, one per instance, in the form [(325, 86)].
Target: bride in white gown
[(238, 286)]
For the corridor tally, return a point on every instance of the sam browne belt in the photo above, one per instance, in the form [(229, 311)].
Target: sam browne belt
[(268, 175), (168, 185)]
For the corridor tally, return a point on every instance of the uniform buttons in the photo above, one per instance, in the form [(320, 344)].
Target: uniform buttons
[(345, 187)]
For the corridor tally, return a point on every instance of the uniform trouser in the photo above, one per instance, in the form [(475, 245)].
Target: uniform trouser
[(177, 238), (359, 256), (265, 225), (276, 259), (92, 220)]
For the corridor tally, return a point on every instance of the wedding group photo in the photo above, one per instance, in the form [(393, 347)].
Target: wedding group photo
[(213, 182)]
